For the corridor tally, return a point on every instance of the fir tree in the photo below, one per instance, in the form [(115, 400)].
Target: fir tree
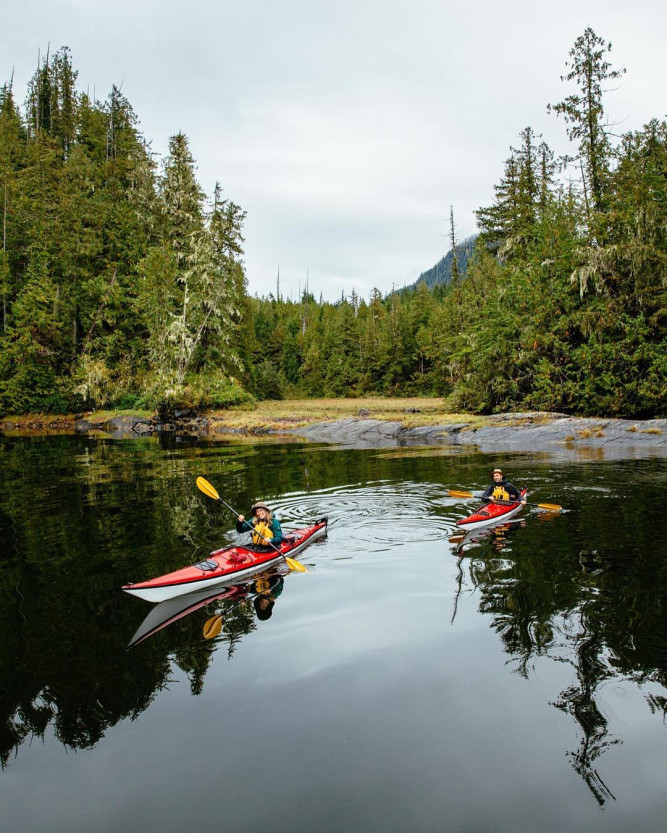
[(584, 111)]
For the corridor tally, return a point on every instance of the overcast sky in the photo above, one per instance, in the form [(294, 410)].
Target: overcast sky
[(345, 128)]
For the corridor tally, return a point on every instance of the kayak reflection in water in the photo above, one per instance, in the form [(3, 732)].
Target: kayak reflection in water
[(268, 590), (501, 489), (264, 527), (494, 537)]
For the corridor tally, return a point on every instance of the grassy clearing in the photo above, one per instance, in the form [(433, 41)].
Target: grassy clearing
[(283, 415), (297, 413), (280, 415), (39, 423), (103, 416)]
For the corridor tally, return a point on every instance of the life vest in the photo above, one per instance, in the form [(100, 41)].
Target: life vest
[(261, 532), (262, 585), (499, 493)]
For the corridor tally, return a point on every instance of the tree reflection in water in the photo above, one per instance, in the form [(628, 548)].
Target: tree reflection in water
[(78, 518), (75, 673), (601, 615)]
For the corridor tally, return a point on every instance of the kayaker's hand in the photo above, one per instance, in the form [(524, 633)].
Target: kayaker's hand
[(523, 502), (241, 519)]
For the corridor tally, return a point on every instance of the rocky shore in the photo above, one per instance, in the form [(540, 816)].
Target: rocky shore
[(533, 432)]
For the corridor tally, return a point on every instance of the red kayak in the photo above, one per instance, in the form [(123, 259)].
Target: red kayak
[(491, 514), (225, 566)]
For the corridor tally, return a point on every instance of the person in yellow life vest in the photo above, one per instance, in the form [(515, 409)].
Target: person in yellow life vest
[(265, 528), (501, 488)]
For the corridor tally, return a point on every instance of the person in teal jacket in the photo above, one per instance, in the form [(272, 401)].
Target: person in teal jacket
[(266, 529)]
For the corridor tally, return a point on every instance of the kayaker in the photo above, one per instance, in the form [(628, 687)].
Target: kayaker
[(262, 525), (501, 488)]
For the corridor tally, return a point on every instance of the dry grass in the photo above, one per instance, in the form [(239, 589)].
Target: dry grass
[(103, 416), (283, 415), (297, 413), (21, 418), (586, 433), (91, 416)]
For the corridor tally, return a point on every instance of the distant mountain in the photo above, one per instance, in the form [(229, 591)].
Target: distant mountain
[(441, 273)]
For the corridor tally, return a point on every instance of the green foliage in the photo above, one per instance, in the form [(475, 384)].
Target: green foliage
[(584, 112), (110, 277), (200, 391), (122, 285), (267, 382)]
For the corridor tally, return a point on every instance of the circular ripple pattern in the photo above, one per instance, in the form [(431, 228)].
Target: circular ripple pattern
[(375, 516)]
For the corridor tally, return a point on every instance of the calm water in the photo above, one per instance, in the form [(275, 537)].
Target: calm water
[(395, 687)]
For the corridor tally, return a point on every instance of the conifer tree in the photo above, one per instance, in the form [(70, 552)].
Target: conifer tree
[(208, 270), (226, 229), (64, 102), (12, 140), (452, 243), (496, 222), (29, 362), (584, 111)]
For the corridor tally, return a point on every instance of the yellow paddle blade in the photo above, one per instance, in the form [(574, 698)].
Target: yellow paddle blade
[(205, 487), (213, 626), (547, 516), (296, 565), (550, 507), (454, 493)]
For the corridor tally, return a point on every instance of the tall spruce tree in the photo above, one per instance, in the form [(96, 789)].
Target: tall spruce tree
[(12, 141), (207, 264), (584, 113), (452, 243)]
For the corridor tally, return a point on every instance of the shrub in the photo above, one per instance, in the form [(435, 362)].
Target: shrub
[(200, 391)]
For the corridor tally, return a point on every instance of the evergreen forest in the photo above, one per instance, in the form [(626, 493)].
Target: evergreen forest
[(123, 283)]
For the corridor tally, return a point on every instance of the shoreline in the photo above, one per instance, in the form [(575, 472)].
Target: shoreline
[(587, 438), (553, 433)]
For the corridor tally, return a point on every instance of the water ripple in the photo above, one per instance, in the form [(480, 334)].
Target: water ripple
[(365, 517)]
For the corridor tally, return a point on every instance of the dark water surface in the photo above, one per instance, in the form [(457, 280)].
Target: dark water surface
[(396, 686)]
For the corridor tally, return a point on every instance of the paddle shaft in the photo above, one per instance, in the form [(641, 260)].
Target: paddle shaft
[(552, 506)]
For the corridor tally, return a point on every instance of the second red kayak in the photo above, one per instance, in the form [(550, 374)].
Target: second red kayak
[(225, 566), (491, 514)]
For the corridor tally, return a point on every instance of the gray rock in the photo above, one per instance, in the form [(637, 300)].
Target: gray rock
[(143, 428), (557, 434), (119, 423), (128, 426)]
